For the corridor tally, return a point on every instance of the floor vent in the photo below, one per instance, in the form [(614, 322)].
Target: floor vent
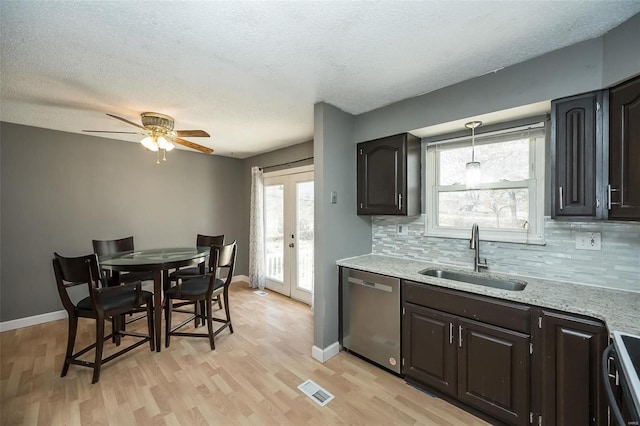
[(316, 393), (261, 293)]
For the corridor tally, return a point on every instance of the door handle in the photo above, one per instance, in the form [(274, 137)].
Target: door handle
[(291, 245), (450, 333), (460, 336)]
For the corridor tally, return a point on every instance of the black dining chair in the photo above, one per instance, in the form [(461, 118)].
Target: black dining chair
[(201, 241), (186, 273), (107, 247), (101, 303), (204, 289)]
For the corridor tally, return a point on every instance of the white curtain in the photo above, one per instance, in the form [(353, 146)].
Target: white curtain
[(256, 231)]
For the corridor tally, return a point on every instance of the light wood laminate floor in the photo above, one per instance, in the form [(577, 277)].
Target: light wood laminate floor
[(251, 378)]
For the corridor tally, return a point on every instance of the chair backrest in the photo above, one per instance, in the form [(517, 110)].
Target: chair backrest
[(209, 240), (73, 271), (225, 255), (106, 247)]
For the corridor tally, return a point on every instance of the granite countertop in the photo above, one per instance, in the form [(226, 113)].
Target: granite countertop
[(619, 309)]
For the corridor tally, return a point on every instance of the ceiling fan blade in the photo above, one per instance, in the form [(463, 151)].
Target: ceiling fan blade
[(112, 131), (126, 121), (193, 145), (192, 134)]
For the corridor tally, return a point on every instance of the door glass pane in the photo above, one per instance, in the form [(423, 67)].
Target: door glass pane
[(304, 227), (274, 231)]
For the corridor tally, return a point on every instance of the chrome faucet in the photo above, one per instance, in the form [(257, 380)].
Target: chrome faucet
[(474, 244)]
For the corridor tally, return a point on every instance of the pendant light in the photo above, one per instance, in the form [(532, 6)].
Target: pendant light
[(473, 167)]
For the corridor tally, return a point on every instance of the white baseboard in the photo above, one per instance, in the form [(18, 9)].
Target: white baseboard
[(29, 321), (54, 316), (325, 354)]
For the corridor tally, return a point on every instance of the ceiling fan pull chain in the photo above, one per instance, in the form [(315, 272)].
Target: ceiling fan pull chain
[(164, 155), (158, 160)]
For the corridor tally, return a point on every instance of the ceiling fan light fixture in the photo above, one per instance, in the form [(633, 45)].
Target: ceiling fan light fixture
[(149, 143), (166, 144)]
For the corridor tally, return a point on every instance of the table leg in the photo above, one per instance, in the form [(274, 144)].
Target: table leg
[(157, 306)]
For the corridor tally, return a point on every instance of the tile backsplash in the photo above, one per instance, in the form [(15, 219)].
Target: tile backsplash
[(617, 265)]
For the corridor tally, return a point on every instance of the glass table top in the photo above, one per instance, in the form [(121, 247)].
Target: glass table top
[(154, 256)]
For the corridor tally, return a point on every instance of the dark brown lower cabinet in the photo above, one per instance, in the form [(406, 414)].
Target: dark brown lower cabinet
[(516, 363), (493, 370), (571, 383), (481, 365), (429, 348)]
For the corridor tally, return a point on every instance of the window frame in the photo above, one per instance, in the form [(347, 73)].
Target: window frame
[(535, 232)]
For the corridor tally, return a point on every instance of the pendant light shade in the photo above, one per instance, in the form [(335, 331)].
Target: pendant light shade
[(474, 173)]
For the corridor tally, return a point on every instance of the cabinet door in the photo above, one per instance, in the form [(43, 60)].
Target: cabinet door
[(382, 176), (571, 379), (493, 371), (575, 145), (429, 348), (624, 150)]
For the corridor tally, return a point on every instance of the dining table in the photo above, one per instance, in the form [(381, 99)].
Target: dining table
[(160, 261)]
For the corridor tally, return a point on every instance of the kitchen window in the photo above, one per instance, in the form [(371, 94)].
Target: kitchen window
[(508, 206)]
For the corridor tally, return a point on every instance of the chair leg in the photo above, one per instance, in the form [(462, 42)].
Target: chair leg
[(167, 318), (226, 308), (203, 310), (209, 309), (99, 344), (71, 341), (118, 321), (219, 303), (150, 324), (197, 311)]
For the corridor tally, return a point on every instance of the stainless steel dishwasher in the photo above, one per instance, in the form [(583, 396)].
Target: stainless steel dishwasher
[(371, 317)]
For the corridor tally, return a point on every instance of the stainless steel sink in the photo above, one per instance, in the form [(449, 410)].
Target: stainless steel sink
[(487, 281)]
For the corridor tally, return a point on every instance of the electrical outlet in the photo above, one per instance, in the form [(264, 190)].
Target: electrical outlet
[(402, 229), (588, 241)]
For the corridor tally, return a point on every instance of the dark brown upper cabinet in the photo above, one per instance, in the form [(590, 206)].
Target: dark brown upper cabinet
[(624, 151), (577, 156), (389, 176)]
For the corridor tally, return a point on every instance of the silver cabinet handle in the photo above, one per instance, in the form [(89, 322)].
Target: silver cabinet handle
[(460, 336), (399, 201), (560, 190), (609, 191), (451, 333)]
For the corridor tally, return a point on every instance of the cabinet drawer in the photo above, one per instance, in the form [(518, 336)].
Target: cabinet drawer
[(509, 315)]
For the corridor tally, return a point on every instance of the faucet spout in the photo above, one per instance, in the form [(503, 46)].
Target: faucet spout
[(474, 244)]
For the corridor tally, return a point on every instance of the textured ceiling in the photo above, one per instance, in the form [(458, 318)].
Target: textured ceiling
[(249, 73)]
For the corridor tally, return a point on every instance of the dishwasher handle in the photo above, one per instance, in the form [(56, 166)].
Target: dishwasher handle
[(371, 284)]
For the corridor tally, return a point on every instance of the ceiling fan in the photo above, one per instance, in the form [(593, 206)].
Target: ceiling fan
[(159, 134)]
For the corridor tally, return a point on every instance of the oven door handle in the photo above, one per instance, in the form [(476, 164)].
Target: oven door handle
[(615, 410)]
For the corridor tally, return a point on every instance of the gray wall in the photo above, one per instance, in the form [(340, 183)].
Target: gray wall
[(621, 52), (575, 69), (339, 232), (291, 153), (61, 190)]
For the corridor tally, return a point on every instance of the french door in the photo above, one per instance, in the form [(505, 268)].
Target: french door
[(288, 216)]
